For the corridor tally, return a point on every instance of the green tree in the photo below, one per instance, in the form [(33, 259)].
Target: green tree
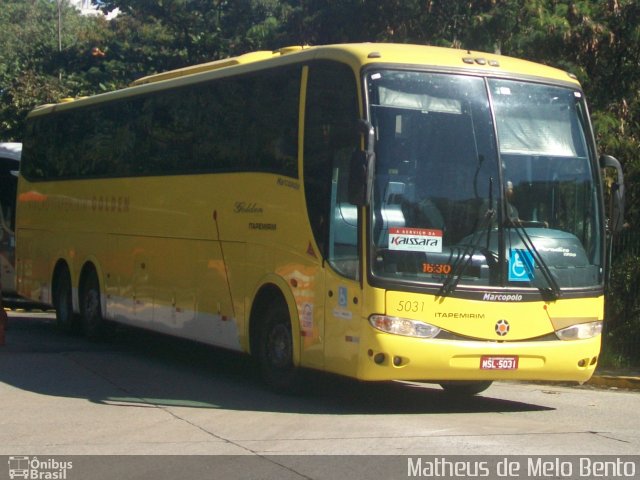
[(46, 56), (187, 32)]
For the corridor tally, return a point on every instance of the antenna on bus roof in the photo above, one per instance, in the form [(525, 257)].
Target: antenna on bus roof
[(291, 49)]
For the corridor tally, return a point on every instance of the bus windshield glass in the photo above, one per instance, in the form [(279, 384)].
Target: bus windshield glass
[(482, 182)]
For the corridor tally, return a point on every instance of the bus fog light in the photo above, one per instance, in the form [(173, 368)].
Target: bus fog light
[(580, 332), (403, 326), (379, 358)]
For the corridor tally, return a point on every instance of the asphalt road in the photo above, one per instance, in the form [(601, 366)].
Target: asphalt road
[(140, 394)]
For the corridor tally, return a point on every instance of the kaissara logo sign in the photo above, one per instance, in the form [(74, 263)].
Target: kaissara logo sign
[(415, 240)]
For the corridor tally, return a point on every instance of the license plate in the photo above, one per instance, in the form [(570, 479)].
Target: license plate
[(498, 363)]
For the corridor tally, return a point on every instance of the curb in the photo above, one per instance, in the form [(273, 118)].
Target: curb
[(615, 381)]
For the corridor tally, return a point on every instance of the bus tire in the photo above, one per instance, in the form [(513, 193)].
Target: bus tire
[(62, 301), (93, 324), (464, 388), (276, 351)]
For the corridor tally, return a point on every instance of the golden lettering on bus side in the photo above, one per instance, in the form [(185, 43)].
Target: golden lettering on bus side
[(106, 203), (263, 226), (247, 207), (285, 182)]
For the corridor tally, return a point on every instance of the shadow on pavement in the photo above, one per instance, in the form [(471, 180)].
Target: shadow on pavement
[(138, 368)]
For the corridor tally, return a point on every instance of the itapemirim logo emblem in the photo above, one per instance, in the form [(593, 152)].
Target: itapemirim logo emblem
[(36, 469), (502, 327)]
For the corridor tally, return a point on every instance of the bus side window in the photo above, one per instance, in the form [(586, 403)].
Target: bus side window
[(330, 139)]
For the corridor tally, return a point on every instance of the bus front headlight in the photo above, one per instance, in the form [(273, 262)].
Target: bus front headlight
[(581, 331), (403, 326)]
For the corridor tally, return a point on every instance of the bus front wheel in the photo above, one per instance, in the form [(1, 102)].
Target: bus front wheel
[(276, 351), (465, 388)]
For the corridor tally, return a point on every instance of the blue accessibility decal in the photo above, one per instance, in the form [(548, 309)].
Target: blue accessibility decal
[(521, 266)]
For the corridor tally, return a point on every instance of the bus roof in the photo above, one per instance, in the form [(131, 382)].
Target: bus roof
[(357, 55), (215, 65)]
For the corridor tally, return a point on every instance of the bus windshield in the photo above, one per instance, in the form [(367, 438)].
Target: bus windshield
[(482, 182)]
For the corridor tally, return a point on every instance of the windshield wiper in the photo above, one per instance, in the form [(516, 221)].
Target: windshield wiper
[(553, 289), (463, 261)]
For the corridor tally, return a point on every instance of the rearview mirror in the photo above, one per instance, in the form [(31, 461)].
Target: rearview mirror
[(362, 167), (616, 204)]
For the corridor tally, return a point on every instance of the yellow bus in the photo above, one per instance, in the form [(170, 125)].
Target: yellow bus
[(377, 211)]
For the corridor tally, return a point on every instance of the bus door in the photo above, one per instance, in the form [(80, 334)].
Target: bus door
[(330, 138), (343, 292)]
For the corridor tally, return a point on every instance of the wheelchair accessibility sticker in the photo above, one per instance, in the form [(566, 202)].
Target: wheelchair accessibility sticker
[(521, 266)]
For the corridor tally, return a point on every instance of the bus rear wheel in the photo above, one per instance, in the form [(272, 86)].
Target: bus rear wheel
[(465, 388), (91, 308), (62, 301), (275, 353)]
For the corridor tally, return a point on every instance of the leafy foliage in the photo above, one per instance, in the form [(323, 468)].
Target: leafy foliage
[(622, 329)]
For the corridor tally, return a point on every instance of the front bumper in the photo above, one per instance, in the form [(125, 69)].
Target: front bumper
[(385, 356)]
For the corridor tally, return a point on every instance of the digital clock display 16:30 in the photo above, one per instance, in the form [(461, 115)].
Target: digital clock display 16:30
[(438, 268)]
